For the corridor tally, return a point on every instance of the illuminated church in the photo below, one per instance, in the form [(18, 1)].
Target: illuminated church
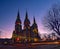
[(28, 33)]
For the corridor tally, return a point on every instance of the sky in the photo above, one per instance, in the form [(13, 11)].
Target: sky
[(35, 8)]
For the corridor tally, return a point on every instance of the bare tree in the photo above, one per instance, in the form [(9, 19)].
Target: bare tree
[(52, 19)]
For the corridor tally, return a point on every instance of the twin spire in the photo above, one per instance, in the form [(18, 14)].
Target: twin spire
[(26, 18)]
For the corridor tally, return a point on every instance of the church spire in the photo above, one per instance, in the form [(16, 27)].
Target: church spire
[(26, 15), (26, 21), (18, 18), (34, 21), (18, 27)]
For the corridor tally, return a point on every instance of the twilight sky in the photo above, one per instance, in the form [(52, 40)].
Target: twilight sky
[(9, 9)]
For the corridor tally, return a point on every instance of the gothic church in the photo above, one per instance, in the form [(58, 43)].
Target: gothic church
[(28, 33)]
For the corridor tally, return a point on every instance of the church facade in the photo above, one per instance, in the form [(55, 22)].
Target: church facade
[(28, 33)]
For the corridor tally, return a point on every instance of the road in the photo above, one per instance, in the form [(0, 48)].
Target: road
[(48, 45), (31, 47)]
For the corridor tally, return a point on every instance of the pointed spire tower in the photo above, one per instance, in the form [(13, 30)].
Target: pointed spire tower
[(18, 18), (26, 21), (34, 23), (34, 20), (34, 29), (27, 28), (18, 27)]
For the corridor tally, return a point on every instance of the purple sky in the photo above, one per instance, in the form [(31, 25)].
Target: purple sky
[(9, 9)]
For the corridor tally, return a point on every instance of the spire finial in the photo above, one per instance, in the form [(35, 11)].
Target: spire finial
[(34, 20), (18, 16), (26, 14)]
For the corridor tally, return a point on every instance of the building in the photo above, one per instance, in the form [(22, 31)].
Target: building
[(28, 33)]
